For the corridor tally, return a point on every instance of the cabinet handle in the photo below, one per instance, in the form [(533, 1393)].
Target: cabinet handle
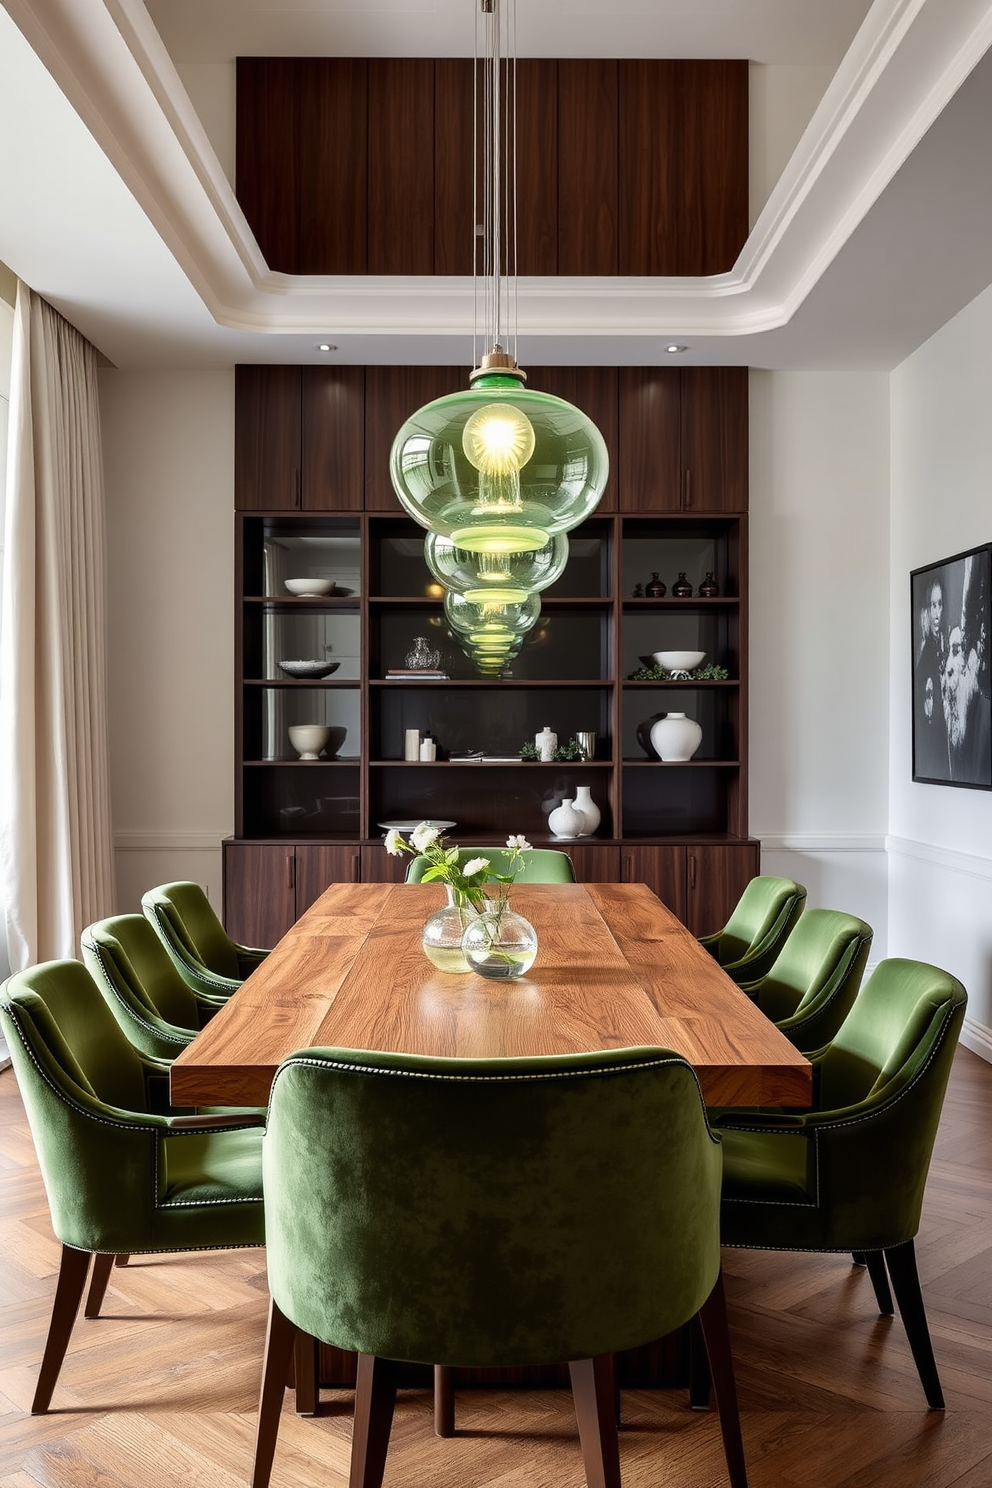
[(688, 488), (291, 870), (299, 488), (355, 865), (627, 864), (692, 870)]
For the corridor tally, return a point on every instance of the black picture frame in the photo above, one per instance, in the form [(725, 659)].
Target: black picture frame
[(951, 617)]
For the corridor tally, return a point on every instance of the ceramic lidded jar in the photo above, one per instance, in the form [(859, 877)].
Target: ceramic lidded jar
[(565, 821), (676, 737)]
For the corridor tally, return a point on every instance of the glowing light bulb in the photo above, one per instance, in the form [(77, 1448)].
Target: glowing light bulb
[(499, 440)]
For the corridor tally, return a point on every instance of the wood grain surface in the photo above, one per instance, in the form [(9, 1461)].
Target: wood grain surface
[(615, 968)]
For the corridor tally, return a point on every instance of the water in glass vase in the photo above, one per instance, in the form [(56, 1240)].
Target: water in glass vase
[(500, 945), (442, 936)]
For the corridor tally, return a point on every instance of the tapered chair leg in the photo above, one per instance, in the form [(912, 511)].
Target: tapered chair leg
[(444, 1400), (102, 1267), (375, 1397), (304, 1374), (279, 1340), (593, 1391), (73, 1270), (699, 1368), (875, 1261), (901, 1261), (716, 1334)]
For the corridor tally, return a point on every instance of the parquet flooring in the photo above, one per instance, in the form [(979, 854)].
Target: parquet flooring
[(160, 1392)]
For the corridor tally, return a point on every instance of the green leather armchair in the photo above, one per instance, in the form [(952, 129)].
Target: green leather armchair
[(122, 1175), (205, 956), (156, 1010), (850, 1175), (540, 864), (485, 1213), (757, 930), (812, 986)]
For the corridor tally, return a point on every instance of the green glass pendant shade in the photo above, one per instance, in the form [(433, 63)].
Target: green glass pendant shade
[(490, 620), (503, 578), (498, 468)]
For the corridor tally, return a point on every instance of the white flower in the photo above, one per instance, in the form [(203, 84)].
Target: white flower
[(473, 865), (394, 844), (520, 843), (423, 836)]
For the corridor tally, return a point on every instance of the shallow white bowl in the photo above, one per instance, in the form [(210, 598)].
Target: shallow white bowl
[(308, 669), (315, 588), (679, 661)]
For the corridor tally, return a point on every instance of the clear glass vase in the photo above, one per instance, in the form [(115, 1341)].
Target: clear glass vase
[(443, 932), (500, 944)]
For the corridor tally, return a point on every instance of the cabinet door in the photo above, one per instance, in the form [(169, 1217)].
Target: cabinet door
[(594, 863), (454, 171), (391, 395), (536, 167), (587, 166), (716, 876), (318, 866), (401, 165), (333, 418), (594, 390), (333, 165), (650, 455), (259, 891), (713, 163), (648, 152), (267, 160), (662, 869), (267, 404), (714, 438), (378, 866)]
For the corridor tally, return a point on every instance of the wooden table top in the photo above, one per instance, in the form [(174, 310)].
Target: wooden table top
[(614, 968)]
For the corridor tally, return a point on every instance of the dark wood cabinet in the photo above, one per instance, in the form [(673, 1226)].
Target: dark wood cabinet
[(680, 827), (683, 439), (350, 166)]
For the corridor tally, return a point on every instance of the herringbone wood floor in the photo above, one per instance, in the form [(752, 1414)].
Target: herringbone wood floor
[(160, 1392)]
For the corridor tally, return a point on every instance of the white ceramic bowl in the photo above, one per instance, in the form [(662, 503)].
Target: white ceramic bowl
[(310, 588), (308, 739), (679, 661)]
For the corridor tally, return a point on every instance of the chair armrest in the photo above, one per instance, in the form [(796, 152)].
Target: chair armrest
[(760, 1121), (225, 1121), (250, 957)]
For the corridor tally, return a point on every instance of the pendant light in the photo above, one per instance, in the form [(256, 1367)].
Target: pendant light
[(497, 473)]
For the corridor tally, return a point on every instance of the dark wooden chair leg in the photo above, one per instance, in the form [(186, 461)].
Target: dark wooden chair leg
[(716, 1335), (279, 1339), (901, 1261), (593, 1386), (102, 1267), (73, 1269), (121, 1260), (375, 1397), (859, 1257), (700, 1382), (305, 1358), (875, 1261), (444, 1400)]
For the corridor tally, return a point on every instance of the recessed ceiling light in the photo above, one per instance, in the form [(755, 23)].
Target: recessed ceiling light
[(326, 346), (674, 348)]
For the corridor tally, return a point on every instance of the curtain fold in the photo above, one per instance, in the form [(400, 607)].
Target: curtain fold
[(56, 844)]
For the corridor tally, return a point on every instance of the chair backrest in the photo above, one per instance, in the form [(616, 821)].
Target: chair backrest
[(816, 975), (154, 1007), (190, 930), (489, 1212), (760, 924), (539, 864)]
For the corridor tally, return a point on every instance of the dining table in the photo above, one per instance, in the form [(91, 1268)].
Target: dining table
[(615, 968)]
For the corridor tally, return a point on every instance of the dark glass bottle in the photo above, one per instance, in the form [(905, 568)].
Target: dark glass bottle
[(655, 589), (682, 589), (709, 588)]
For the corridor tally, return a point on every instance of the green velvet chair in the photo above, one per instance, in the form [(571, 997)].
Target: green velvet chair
[(489, 1213), (205, 956), (752, 938), (540, 864), (122, 1175), (849, 1175), (812, 986), (157, 1011)]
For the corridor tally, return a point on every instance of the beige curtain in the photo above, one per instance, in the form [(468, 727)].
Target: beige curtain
[(56, 849)]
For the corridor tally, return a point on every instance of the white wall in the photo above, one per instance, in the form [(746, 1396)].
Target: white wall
[(818, 626), (169, 463), (940, 892)]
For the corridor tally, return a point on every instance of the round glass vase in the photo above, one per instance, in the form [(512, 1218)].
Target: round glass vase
[(442, 934), (500, 944)]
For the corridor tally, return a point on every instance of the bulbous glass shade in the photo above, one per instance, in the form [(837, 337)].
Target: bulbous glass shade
[(487, 621), (502, 578), (498, 468)]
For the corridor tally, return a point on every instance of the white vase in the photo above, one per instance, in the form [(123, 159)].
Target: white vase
[(565, 821), (676, 737), (588, 809)]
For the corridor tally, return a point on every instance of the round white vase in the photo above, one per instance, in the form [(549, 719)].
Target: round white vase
[(588, 809), (565, 821), (676, 737)]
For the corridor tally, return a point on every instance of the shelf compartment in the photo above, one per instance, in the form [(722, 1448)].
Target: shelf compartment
[(683, 801), (494, 717), (685, 626), (717, 711), (670, 546), (269, 711), (279, 548), (492, 801), (302, 799)]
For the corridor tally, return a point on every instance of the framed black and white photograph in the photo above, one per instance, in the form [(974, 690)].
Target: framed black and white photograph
[(952, 717)]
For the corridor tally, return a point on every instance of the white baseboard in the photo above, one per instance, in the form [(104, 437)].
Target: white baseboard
[(976, 1037)]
